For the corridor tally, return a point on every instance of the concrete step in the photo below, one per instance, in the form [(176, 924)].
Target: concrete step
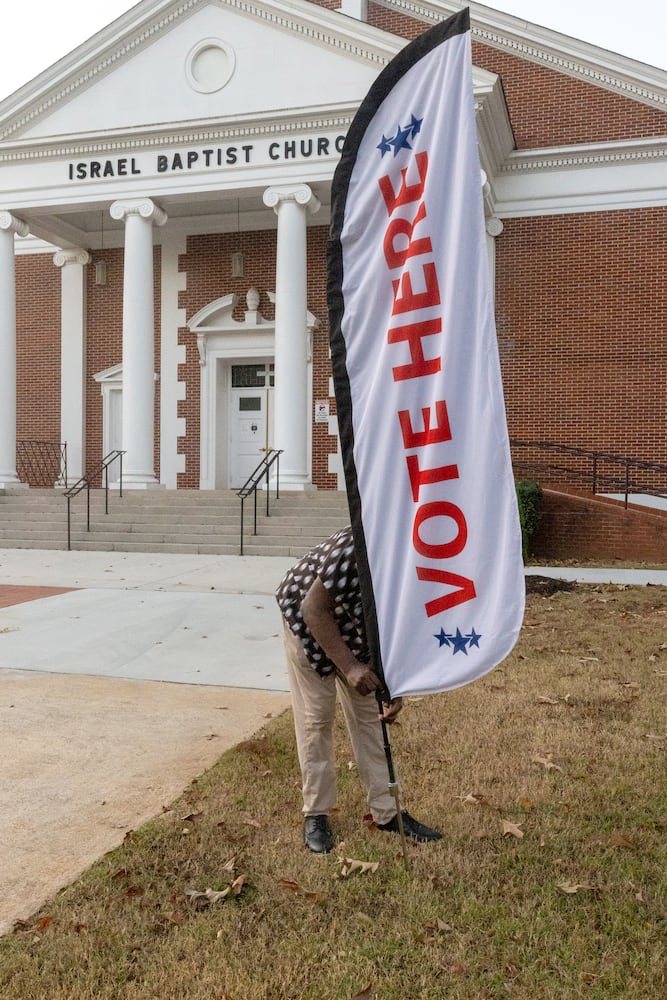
[(170, 521)]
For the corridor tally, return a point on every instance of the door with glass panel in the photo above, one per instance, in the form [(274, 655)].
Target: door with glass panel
[(251, 418)]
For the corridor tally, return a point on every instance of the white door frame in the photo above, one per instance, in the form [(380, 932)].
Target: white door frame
[(265, 416), (221, 341), (110, 382)]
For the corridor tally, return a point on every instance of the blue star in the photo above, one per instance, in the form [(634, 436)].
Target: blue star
[(415, 125), (384, 146), (443, 638), (473, 638), (400, 140), (459, 643)]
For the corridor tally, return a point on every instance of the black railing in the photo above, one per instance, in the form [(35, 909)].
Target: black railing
[(85, 483), (594, 471), (251, 485), (41, 463)]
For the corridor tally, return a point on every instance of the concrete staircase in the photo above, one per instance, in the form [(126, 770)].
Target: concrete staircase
[(190, 521)]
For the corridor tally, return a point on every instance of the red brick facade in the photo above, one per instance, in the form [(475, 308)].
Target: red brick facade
[(574, 527), (38, 349), (581, 317), (581, 309)]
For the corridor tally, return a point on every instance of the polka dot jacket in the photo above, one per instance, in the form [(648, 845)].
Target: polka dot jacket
[(335, 564)]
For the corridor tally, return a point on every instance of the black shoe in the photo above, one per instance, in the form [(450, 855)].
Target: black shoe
[(413, 830), (317, 834)]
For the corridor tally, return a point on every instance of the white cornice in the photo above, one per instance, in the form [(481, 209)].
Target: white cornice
[(232, 129), (562, 53), (592, 154), (592, 178), (142, 23)]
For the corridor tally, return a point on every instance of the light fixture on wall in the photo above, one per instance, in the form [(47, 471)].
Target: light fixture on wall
[(100, 272), (101, 265), (237, 258), (237, 265)]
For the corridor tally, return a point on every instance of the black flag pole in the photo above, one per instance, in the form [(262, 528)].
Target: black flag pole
[(393, 783)]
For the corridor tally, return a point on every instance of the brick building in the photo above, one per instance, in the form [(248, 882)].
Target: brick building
[(164, 209)]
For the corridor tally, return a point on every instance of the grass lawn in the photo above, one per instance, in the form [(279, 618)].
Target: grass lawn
[(548, 779)]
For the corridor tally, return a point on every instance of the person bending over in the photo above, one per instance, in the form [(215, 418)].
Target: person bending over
[(327, 655)]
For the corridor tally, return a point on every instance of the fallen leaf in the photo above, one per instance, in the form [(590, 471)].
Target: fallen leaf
[(437, 925), (569, 889), (43, 924), (621, 840), (252, 822), (543, 700), (458, 967), (526, 804), (134, 890), (546, 762), (478, 800), (191, 817), (512, 829), (202, 900), (350, 866), (364, 995), (312, 897), (238, 883)]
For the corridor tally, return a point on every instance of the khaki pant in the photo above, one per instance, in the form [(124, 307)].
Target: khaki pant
[(314, 705)]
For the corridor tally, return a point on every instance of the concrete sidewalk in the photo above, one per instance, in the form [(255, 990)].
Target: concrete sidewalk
[(123, 677), (93, 742)]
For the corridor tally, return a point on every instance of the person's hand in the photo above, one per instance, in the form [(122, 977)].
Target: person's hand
[(390, 710), (362, 679)]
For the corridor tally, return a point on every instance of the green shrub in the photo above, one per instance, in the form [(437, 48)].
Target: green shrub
[(529, 497)]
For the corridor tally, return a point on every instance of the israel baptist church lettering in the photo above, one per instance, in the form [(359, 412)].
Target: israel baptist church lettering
[(205, 158)]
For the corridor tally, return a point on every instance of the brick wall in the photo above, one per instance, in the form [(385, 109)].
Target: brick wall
[(105, 346), (577, 528), (323, 443), (104, 343), (582, 318), (37, 348), (546, 108), (207, 263)]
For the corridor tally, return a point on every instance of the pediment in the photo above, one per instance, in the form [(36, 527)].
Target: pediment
[(167, 63), (218, 316)]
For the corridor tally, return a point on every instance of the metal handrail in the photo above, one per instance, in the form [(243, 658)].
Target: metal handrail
[(589, 473), (42, 463), (251, 485), (85, 484)]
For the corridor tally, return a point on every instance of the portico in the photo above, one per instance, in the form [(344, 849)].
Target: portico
[(115, 167)]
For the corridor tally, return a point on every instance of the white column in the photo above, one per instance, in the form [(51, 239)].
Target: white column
[(139, 214), (73, 357), (290, 401), (9, 225)]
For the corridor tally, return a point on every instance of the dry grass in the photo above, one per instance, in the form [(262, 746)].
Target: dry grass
[(565, 742)]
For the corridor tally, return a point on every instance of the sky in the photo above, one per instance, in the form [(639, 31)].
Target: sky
[(36, 33)]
